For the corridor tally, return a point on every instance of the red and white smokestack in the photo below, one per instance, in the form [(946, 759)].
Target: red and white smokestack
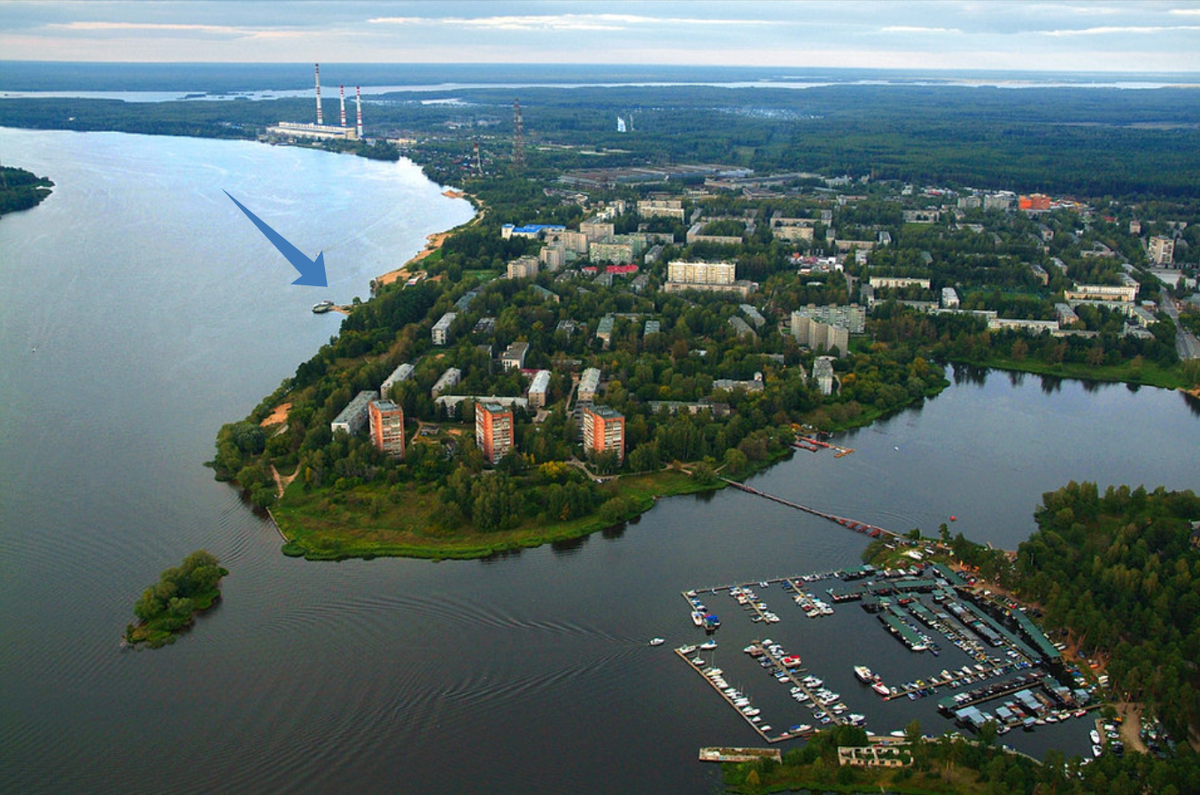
[(317, 71), (358, 101), (342, 90)]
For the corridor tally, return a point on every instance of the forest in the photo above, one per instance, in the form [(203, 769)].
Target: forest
[(1119, 569), (21, 190)]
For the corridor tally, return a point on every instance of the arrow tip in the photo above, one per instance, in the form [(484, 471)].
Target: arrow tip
[(314, 276)]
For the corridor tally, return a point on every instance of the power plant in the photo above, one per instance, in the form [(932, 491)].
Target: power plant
[(320, 130)]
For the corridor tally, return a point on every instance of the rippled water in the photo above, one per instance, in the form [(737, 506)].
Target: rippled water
[(158, 312)]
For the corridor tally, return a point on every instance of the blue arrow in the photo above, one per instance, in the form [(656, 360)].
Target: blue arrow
[(312, 272)]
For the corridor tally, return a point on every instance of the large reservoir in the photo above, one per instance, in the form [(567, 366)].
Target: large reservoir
[(142, 310)]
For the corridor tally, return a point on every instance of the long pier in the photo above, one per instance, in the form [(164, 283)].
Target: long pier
[(852, 524)]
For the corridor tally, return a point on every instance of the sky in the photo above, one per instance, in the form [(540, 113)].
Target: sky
[(1085, 36)]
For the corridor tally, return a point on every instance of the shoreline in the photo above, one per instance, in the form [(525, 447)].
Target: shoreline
[(433, 243)]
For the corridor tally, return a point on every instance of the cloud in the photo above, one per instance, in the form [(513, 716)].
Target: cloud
[(560, 21), (917, 29), (1132, 29), (1191, 12), (176, 27)]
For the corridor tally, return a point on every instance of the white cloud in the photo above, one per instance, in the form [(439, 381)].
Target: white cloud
[(917, 29), (177, 27), (1133, 29)]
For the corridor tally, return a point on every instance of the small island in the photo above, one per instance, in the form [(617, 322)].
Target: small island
[(168, 607), (21, 190)]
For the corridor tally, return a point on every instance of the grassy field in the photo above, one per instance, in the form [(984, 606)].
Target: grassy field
[(365, 523)]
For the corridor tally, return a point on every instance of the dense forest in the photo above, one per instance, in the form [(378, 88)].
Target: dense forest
[(21, 190), (1119, 570)]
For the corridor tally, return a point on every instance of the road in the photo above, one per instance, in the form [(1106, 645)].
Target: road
[(1185, 342)]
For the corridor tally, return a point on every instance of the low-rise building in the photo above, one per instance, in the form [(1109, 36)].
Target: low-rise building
[(1102, 292), (604, 330), (594, 229), (756, 384), (539, 389), (399, 375), (532, 231), (386, 421), (448, 379), (878, 282), (493, 430), (754, 315), (352, 418), (1015, 324), (1066, 315), (513, 357), (589, 385), (619, 249), (949, 298), (441, 329), (670, 208), (741, 327), (603, 431)]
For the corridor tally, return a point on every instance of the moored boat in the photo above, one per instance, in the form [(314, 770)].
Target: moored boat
[(864, 674), (321, 307)]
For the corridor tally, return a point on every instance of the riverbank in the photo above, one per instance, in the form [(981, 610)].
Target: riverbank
[(320, 524)]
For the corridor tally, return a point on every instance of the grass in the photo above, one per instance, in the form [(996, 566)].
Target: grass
[(364, 523)]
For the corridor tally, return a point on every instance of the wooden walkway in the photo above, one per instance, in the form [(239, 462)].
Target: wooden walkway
[(856, 526)]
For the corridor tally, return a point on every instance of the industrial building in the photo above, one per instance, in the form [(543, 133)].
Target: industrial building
[(493, 430), (321, 130), (603, 431), (387, 427)]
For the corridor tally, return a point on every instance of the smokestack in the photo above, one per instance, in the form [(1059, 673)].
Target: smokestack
[(358, 101), (342, 90), (317, 70)]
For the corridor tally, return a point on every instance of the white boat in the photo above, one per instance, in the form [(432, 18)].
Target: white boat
[(657, 641), (864, 674), (881, 689), (1095, 736), (687, 649), (708, 644), (321, 307), (697, 618)]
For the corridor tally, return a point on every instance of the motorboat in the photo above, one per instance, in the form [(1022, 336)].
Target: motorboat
[(657, 641), (864, 674)]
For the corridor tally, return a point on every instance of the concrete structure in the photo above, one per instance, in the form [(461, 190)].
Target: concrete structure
[(1162, 250), (669, 208), (878, 282), (823, 374), (741, 327), (1066, 315), (998, 201), (755, 316), (696, 235), (399, 375), (1032, 326), (513, 357), (924, 216), (493, 430), (448, 379), (1102, 292), (539, 389), (605, 329), (321, 132), (853, 317), (603, 431), (818, 336), (618, 249), (570, 240), (594, 229), (651, 327), (1037, 203), (352, 418), (452, 403), (701, 273), (728, 384), (441, 329), (949, 298), (532, 231), (464, 300), (523, 267), (386, 421), (589, 385)]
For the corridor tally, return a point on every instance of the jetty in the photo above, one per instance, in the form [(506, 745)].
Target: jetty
[(852, 524)]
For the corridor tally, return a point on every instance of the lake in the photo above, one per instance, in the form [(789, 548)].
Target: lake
[(142, 310)]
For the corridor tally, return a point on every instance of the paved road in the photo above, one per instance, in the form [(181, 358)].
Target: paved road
[(1185, 342)]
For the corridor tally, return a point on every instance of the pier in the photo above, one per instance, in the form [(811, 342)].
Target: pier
[(856, 526)]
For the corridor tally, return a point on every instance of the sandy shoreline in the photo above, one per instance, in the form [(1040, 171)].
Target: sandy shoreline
[(432, 243)]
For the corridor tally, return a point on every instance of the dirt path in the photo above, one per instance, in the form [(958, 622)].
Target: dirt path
[(281, 482), (278, 415), (1131, 725)]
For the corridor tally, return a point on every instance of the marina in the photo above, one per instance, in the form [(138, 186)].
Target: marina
[(930, 609)]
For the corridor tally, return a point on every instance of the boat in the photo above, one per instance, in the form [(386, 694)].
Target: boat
[(321, 307), (864, 674), (708, 644), (697, 618), (657, 641), (687, 649), (1095, 737), (881, 689)]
